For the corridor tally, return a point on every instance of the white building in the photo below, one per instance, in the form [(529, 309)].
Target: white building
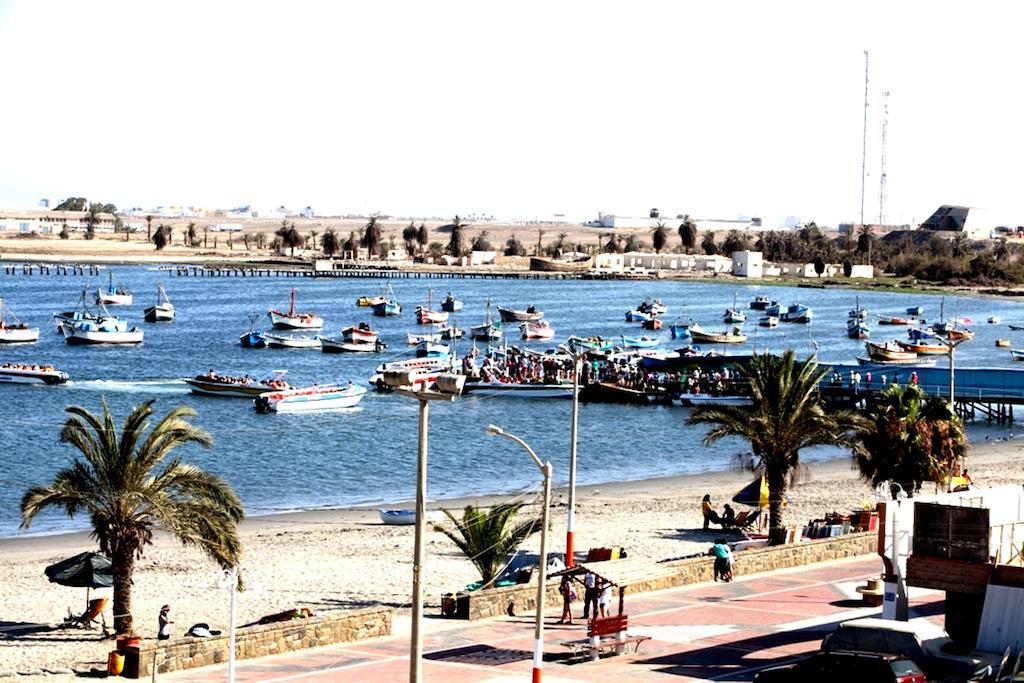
[(743, 224), (51, 222), (747, 264)]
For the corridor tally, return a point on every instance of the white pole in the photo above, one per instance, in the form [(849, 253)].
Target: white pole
[(416, 647), (233, 587), (538, 646), (570, 520)]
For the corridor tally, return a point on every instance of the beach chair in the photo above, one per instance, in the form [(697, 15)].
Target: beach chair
[(91, 616), (748, 520)]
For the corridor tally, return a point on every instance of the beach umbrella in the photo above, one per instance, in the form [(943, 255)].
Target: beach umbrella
[(85, 570), (754, 494)]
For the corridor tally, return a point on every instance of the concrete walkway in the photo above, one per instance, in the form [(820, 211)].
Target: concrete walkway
[(706, 632)]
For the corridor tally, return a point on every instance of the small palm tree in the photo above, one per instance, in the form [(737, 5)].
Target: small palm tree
[(486, 537), (126, 488), (785, 416), (455, 241), (910, 438)]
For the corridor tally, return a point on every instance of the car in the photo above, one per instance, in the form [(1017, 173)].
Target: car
[(918, 640), (845, 667)]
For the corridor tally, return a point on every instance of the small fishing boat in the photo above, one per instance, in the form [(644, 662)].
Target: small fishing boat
[(1017, 354), (214, 384), (889, 351), (585, 345), (680, 330), (428, 349), (1017, 328), (701, 336), (858, 313), (368, 301), (760, 302), (570, 263), (488, 330), (406, 517), (426, 315), (796, 313), (540, 330), (734, 314), (432, 363), (636, 316), (252, 339), (114, 294), (389, 306), (652, 323), (328, 345), (448, 332), (994, 320), (329, 397), (83, 312), (20, 373), (103, 328), (163, 311), (359, 334), (292, 320), (915, 361), (959, 334), (643, 342), (857, 328), (893, 320), (12, 330), (511, 315), (768, 321), (612, 392), (652, 307), (921, 333), (276, 340), (915, 310), (1003, 343), (773, 308), (413, 338), (924, 348), (451, 304)]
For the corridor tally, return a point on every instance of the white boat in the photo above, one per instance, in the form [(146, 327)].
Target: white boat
[(514, 390), (104, 329), (994, 320), (448, 332), (360, 333), (114, 294), (341, 346), (331, 397), (652, 307), (17, 373), (212, 384), (426, 315), (541, 330), (413, 338), (291, 341), (12, 330), (407, 517), (768, 321), (701, 336), (890, 352), (163, 311), (511, 315), (487, 331), (694, 400), (291, 320), (734, 314)]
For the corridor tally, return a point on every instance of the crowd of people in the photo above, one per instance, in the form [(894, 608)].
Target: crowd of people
[(32, 368), (856, 382)]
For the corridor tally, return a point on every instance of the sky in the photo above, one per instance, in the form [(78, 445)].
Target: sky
[(517, 109)]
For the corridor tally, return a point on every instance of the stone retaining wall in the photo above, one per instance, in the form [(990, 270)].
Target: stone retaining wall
[(259, 641), (495, 602)]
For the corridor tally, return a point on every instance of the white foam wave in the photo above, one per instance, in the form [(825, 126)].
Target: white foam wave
[(148, 386)]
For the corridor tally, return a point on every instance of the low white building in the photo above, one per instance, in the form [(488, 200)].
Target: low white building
[(747, 264), (51, 222), (482, 258), (831, 270), (643, 262)]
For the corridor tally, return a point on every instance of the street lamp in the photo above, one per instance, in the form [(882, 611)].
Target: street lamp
[(545, 468), (445, 388), (570, 520)]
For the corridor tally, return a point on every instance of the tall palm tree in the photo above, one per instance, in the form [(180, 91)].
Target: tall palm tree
[(455, 241), (422, 236), (127, 485), (910, 438), (372, 238), (486, 537), (688, 233), (785, 416), (659, 237), (149, 227)]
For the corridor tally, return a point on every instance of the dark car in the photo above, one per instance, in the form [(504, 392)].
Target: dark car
[(845, 667), (920, 641)]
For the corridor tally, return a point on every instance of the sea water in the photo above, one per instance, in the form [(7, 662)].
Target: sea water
[(367, 455)]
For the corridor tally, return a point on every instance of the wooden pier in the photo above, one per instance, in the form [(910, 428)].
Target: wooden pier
[(51, 269), (367, 273)]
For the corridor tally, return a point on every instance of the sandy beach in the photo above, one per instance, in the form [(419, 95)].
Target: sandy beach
[(343, 559)]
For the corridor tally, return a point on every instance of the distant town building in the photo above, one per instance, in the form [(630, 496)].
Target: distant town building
[(953, 219), (611, 221), (51, 222)]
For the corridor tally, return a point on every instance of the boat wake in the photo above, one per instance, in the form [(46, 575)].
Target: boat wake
[(145, 386)]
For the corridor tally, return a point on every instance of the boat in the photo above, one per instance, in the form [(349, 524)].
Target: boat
[(518, 390), (1017, 328), (893, 320), (19, 373), (328, 345), (796, 313), (114, 294), (368, 301), (652, 307), (428, 349), (448, 332), (889, 351), (921, 333), (330, 397), (213, 384), (858, 313), (574, 263), (413, 338), (857, 328), (488, 330), (253, 339), (694, 400), (652, 323), (589, 344), (924, 348), (1003, 343), (1017, 354), (768, 321), (512, 315), (636, 316), (102, 329), (915, 310), (163, 311), (611, 392), (12, 330), (291, 320), (83, 312), (541, 330), (451, 304), (643, 342), (406, 517), (959, 334), (389, 306), (359, 334), (774, 308), (994, 320), (734, 314), (426, 315), (291, 341), (701, 336), (915, 361), (439, 363), (761, 302)]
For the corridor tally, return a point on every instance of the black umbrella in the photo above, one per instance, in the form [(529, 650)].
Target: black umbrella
[(85, 570)]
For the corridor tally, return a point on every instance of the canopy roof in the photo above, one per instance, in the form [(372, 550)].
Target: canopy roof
[(625, 572)]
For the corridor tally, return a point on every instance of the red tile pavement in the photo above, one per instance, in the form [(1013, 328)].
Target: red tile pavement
[(718, 632)]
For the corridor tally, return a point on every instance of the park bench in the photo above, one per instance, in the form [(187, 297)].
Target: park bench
[(605, 634)]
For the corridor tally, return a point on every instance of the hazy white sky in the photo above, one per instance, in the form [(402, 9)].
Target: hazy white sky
[(518, 109)]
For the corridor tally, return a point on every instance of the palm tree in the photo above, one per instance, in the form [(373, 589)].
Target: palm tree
[(785, 416), (149, 228), (125, 486), (613, 246), (329, 242), (409, 235), (910, 438), (688, 233), (372, 238), (659, 237), (455, 245), (708, 243), (486, 537), (481, 243), (422, 236), (190, 235)]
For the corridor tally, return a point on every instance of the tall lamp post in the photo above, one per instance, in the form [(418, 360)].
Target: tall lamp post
[(446, 388), (573, 433), (545, 468)]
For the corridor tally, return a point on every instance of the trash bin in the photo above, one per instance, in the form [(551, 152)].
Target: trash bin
[(131, 662), (462, 605), (448, 605), (115, 663)]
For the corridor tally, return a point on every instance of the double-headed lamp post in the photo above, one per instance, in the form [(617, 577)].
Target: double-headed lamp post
[(545, 468)]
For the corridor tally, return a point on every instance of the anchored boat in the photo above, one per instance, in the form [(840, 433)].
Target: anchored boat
[(163, 311), (114, 294), (18, 373), (12, 330), (330, 397), (511, 315), (213, 384), (293, 320)]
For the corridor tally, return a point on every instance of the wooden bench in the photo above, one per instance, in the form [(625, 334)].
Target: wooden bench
[(605, 633)]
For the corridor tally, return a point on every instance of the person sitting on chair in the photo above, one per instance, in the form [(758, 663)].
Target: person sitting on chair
[(728, 516), (708, 512)]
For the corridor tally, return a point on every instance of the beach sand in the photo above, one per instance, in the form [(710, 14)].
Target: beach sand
[(345, 559)]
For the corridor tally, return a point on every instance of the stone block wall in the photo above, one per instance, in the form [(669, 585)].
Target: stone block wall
[(268, 639), (495, 602)]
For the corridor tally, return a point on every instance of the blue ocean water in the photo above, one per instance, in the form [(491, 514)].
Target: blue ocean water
[(367, 455)]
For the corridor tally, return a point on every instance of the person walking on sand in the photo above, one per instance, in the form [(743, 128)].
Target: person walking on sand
[(589, 594), (565, 588), (164, 629), (708, 512)]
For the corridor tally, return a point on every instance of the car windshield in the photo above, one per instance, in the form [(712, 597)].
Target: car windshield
[(871, 640)]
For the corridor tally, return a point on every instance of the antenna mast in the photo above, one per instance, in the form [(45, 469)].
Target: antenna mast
[(882, 189), (864, 144)]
